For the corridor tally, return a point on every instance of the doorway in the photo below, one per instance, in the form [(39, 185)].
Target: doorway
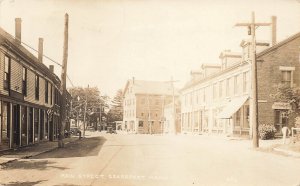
[(281, 119), (16, 125)]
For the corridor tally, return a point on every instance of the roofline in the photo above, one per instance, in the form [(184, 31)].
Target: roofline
[(266, 51), (8, 41), (214, 75), (289, 39)]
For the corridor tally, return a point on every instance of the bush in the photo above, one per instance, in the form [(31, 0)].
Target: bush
[(297, 122), (266, 131)]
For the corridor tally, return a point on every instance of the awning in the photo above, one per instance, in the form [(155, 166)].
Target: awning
[(232, 107)]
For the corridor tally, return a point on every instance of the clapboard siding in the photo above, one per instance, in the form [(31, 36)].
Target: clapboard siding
[(2, 91), (16, 76), (30, 87), (42, 91)]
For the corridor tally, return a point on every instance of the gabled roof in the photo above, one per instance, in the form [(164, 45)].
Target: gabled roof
[(289, 39), (10, 42), (151, 87)]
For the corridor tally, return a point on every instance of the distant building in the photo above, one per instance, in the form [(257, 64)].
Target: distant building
[(220, 101), (172, 124), (143, 105), (29, 94)]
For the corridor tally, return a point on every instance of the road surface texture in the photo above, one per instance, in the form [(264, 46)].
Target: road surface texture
[(136, 160)]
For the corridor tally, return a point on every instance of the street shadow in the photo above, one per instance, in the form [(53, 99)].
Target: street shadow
[(79, 148), (23, 183), (31, 164)]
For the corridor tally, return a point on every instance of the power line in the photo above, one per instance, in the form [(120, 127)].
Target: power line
[(70, 81), (52, 60), (43, 54)]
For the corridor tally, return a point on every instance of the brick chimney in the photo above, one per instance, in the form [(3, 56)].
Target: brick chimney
[(273, 30), (40, 50), (51, 68), (18, 22)]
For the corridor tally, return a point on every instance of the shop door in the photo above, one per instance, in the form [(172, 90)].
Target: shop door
[(16, 125), (281, 120)]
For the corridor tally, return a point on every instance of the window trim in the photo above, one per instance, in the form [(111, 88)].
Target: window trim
[(24, 81), (37, 87), (6, 85)]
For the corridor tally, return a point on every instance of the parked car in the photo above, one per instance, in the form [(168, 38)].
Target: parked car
[(111, 130), (75, 131)]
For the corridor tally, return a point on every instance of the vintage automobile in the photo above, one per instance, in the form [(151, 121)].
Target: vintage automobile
[(75, 131), (111, 130)]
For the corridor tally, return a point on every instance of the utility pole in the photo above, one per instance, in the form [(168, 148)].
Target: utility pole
[(174, 108), (252, 26), (84, 116), (63, 85), (100, 119)]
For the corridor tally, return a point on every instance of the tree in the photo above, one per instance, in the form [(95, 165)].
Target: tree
[(116, 111), (94, 101), (291, 95)]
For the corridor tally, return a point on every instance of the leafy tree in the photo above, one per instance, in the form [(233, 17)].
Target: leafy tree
[(291, 95), (116, 111), (92, 99)]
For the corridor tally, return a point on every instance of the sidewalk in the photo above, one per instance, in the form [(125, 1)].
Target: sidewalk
[(30, 151)]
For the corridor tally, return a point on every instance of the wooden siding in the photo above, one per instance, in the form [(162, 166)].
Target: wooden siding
[(2, 91), (16, 76)]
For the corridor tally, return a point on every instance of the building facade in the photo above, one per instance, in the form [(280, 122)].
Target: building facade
[(143, 105), (29, 94), (220, 102), (172, 123)]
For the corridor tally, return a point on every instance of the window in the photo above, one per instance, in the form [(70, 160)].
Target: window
[(46, 91), (235, 84), (51, 94), (143, 101), (37, 87), (286, 77), (6, 73), (245, 81), (221, 89), (238, 118), (141, 123), (142, 114), (24, 81), (227, 87), (215, 91)]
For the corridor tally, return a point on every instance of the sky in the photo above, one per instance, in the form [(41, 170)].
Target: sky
[(111, 41)]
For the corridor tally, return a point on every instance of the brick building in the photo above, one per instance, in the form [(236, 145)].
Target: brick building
[(143, 103), (29, 94), (220, 101)]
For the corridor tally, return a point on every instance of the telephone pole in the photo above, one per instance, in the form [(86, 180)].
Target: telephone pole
[(85, 107), (63, 85), (254, 116)]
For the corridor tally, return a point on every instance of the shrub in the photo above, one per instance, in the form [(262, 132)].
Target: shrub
[(297, 122), (266, 131)]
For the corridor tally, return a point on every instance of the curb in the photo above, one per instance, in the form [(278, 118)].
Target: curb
[(291, 153), (32, 155)]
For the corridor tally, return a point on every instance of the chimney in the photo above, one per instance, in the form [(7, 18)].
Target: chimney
[(40, 50), (18, 22), (273, 30), (51, 67)]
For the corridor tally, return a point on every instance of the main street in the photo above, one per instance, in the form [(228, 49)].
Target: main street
[(110, 159)]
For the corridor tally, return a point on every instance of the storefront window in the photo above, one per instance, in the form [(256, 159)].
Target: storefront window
[(238, 118)]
